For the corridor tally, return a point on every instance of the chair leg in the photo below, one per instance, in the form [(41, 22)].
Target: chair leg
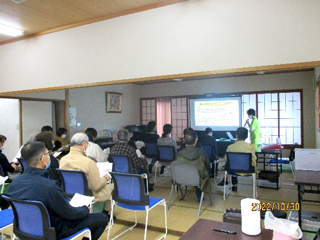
[(146, 225), (172, 188), (156, 171), (291, 165), (254, 185), (224, 185), (200, 205)]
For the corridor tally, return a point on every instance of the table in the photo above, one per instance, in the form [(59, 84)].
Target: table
[(265, 152), (202, 230), (306, 178)]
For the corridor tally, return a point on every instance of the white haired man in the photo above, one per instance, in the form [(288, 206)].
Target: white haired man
[(77, 159)]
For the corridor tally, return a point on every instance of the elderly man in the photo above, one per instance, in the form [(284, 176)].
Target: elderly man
[(122, 147), (34, 184), (198, 158), (240, 146), (76, 159)]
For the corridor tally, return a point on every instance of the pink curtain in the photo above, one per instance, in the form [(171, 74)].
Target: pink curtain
[(163, 114)]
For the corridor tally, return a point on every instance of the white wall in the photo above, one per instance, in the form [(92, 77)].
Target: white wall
[(283, 81), (9, 122), (91, 107), (193, 36)]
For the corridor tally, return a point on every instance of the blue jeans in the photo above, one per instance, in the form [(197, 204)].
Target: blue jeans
[(96, 222)]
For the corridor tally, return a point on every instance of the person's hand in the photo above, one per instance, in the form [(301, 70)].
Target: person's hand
[(247, 121), (107, 177), (14, 166)]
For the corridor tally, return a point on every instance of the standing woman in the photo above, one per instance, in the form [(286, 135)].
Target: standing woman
[(254, 128), (6, 166)]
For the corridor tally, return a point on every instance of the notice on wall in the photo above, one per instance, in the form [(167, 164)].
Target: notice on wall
[(72, 116)]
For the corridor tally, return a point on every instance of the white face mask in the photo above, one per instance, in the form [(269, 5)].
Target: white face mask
[(63, 135), (2, 147)]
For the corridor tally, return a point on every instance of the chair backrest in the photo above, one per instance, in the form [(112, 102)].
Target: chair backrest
[(292, 152), (74, 182), (209, 150), (129, 189), (166, 153), (121, 163), (239, 162), (23, 164), (31, 219), (151, 149), (185, 174)]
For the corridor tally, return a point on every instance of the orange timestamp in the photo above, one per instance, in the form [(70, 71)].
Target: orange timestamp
[(283, 206)]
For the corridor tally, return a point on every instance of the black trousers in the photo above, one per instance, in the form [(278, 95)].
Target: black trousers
[(96, 222)]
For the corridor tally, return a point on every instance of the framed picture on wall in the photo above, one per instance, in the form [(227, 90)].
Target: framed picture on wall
[(114, 102)]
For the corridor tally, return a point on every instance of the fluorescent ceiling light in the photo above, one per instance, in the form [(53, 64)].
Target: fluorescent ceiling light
[(10, 31)]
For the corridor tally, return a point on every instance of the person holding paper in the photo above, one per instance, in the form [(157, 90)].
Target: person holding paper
[(6, 166), (94, 150), (34, 184), (76, 159)]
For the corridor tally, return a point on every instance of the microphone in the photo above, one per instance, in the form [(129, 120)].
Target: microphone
[(246, 123)]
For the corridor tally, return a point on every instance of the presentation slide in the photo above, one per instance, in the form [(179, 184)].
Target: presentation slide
[(221, 114)]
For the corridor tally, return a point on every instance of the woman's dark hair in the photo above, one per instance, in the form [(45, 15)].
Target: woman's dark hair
[(167, 128), (92, 134), (61, 131), (46, 138), (46, 128), (187, 130), (3, 138), (252, 112)]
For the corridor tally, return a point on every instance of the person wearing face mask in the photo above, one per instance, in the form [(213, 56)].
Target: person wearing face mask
[(60, 141), (34, 184), (254, 128), (76, 159), (6, 166)]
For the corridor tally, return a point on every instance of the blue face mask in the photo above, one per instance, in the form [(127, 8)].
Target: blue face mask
[(48, 165)]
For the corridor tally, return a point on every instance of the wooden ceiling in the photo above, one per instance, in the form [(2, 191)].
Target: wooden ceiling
[(38, 17)]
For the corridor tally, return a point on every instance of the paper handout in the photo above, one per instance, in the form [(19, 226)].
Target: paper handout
[(80, 200)]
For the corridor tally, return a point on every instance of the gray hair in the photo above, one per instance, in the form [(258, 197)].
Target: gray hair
[(123, 135), (32, 153), (78, 139)]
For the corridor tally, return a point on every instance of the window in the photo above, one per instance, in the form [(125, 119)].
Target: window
[(148, 110), (179, 116), (279, 114)]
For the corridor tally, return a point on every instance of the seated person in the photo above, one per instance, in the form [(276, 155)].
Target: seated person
[(76, 159), (208, 139), (183, 144), (6, 166), (94, 150), (47, 128), (139, 165), (46, 138), (240, 146), (60, 141), (34, 184), (150, 135), (198, 158), (165, 139)]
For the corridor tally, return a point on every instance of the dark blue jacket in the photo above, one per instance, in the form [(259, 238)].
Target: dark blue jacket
[(34, 184)]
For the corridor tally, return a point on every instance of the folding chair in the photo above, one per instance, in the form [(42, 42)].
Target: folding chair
[(23, 164), (166, 154), (151, 152), (129, 194), (31, 221), (122, 163), (187, 175), (238, 162), (288, 161)]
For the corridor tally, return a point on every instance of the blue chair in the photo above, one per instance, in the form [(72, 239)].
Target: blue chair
[(73, 182), (31, 221), (6, 220), (129, 194), (122, 163), (23, 164), (151, 152), (166, 154), (288, 161), (238, 162)]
